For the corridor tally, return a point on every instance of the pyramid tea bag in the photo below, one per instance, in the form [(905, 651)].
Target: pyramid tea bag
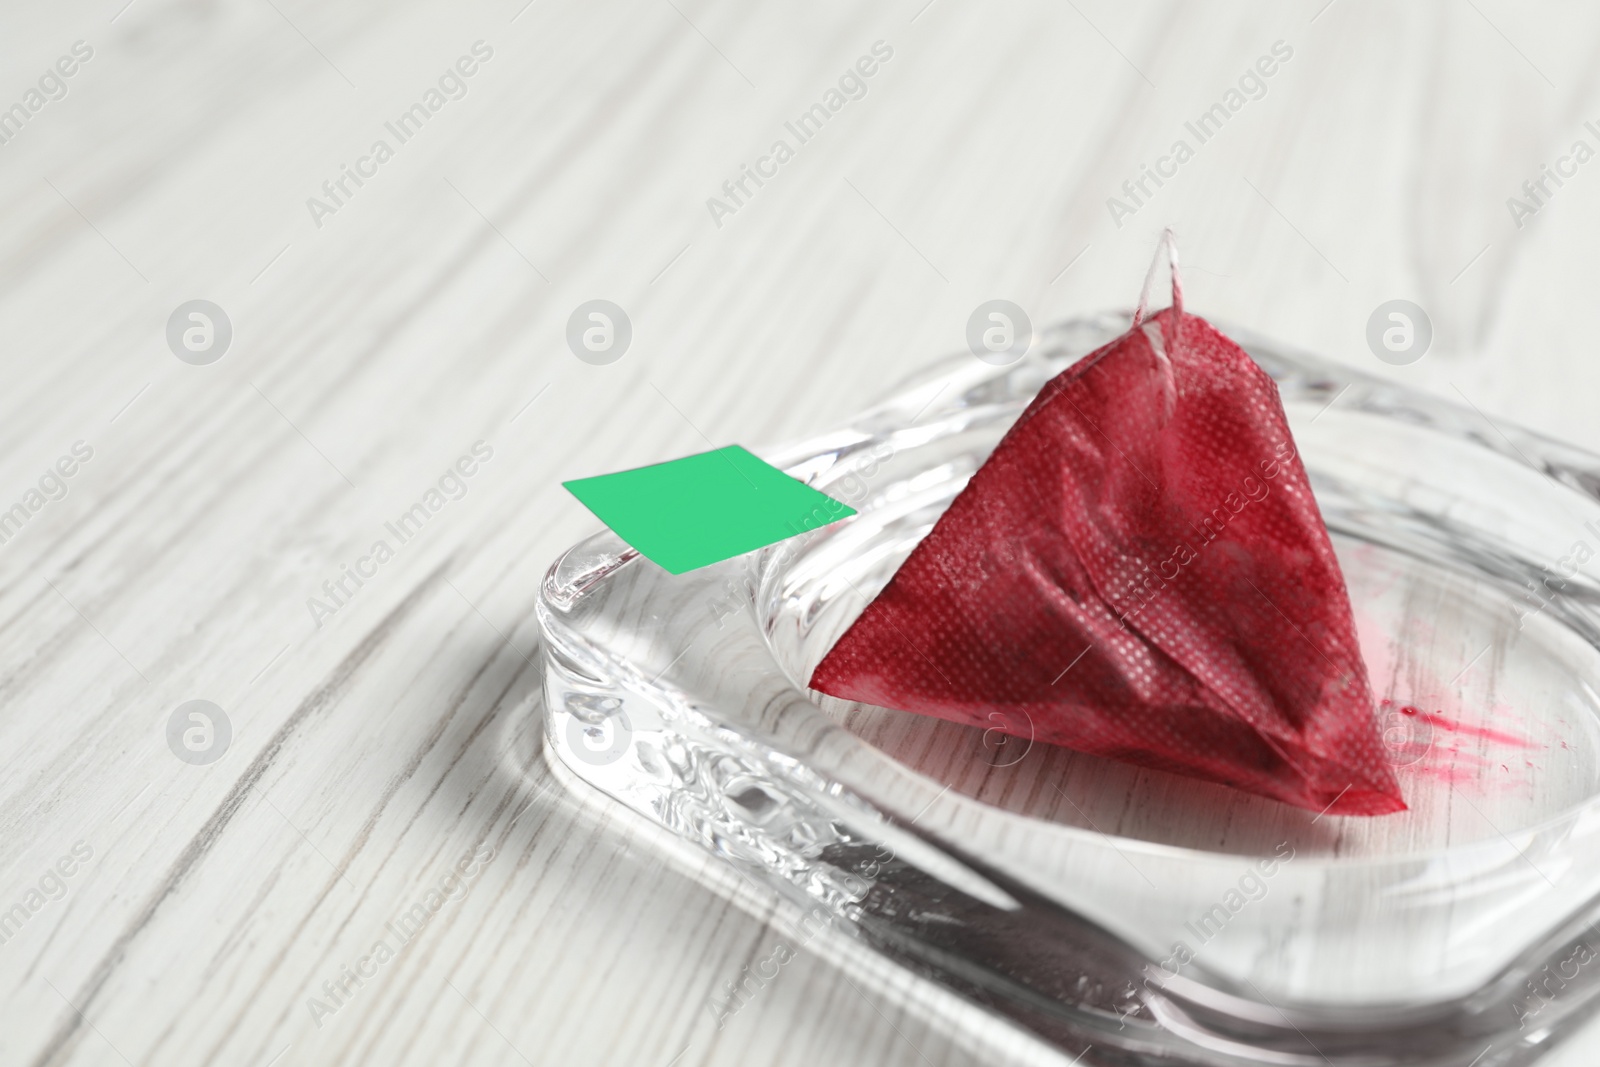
[(1139, 571)]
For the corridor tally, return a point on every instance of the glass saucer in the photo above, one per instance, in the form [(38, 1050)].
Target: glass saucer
[(1151, 917)]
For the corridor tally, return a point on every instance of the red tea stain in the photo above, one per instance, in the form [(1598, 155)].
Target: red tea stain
[(1448, 773), (1463, 754), (1482, 733)]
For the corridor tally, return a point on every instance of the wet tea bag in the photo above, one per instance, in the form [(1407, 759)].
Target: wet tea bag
[(1139, 571)]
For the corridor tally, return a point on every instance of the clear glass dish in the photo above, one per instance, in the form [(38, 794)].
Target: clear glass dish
[(1152, 917)]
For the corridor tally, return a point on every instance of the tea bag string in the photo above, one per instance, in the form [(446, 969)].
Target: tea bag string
[(1169, 246), (1163, 342)]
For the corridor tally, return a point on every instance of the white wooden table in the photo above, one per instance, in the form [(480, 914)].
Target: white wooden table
[(380, 743)]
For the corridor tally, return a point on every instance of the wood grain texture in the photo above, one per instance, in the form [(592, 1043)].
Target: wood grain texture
[(373, 752)]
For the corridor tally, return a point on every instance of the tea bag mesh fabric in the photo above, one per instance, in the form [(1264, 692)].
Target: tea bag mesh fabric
[(1139, 571)]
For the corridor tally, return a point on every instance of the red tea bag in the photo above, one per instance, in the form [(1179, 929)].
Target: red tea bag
[(1139, 571)]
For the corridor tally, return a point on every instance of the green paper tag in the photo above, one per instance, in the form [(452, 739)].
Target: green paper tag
[(703, 509)]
